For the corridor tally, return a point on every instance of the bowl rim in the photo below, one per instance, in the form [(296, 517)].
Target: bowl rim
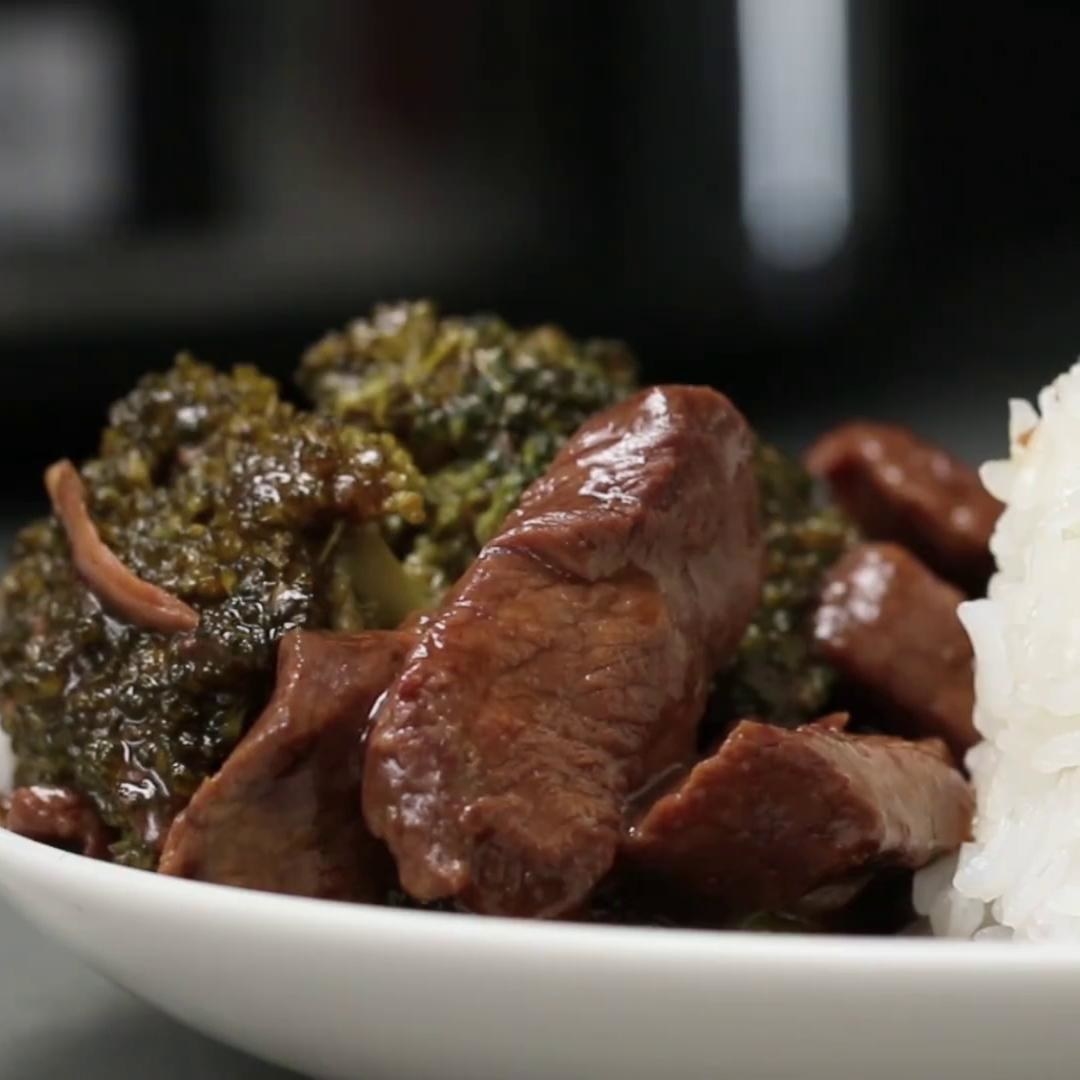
[(28, 861)]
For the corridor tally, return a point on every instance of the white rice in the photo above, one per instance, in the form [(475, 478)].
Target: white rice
[(1020, 878)]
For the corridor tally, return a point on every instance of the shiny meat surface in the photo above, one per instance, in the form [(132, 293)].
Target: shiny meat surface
[(890, 628), (775, 815), (59, 817), (570, 664), (117, 587), (897, 487), (283, 812)]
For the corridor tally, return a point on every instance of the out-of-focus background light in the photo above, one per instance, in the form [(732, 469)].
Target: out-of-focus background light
[(821, 206), (794, 121)]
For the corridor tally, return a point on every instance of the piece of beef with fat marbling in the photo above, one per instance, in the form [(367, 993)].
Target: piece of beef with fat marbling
[(571, 663), (776, 815), (282, 814), (889, 627), (897, 487)]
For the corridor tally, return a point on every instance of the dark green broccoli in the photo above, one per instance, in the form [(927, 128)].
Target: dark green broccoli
[(775, 675), (482, 408), (211, 487)]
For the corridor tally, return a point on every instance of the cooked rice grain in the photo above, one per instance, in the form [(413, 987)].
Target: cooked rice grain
[(1020, 877)]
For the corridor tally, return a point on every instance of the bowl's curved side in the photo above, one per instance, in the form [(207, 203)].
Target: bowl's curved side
[(340, 991)]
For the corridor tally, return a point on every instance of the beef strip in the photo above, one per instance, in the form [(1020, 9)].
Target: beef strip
[(775, 816), (57, 816), (570, 664), (117, 587), (897, 487), (283, 812), (890, 628)]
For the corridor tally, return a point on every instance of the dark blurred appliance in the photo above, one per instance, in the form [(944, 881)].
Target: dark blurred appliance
[(800, 200)]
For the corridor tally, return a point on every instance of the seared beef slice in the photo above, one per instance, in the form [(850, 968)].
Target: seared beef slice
[(571, 663), (283, 812), (57, 816), (775, 814), (890, 628), (897, 487)]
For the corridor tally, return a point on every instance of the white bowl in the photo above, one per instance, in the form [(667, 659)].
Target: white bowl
[(345, 991)]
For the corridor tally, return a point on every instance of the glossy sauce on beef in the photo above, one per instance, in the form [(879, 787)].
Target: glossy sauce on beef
[(571, 663), (777, 816), (889, 627), (898, 487)]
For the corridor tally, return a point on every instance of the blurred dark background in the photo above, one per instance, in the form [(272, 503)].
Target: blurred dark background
[(821, 206)]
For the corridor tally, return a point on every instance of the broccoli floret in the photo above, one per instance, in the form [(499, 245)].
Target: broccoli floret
[(211, 487), (367, 586), (775, 675), (482, 408)]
